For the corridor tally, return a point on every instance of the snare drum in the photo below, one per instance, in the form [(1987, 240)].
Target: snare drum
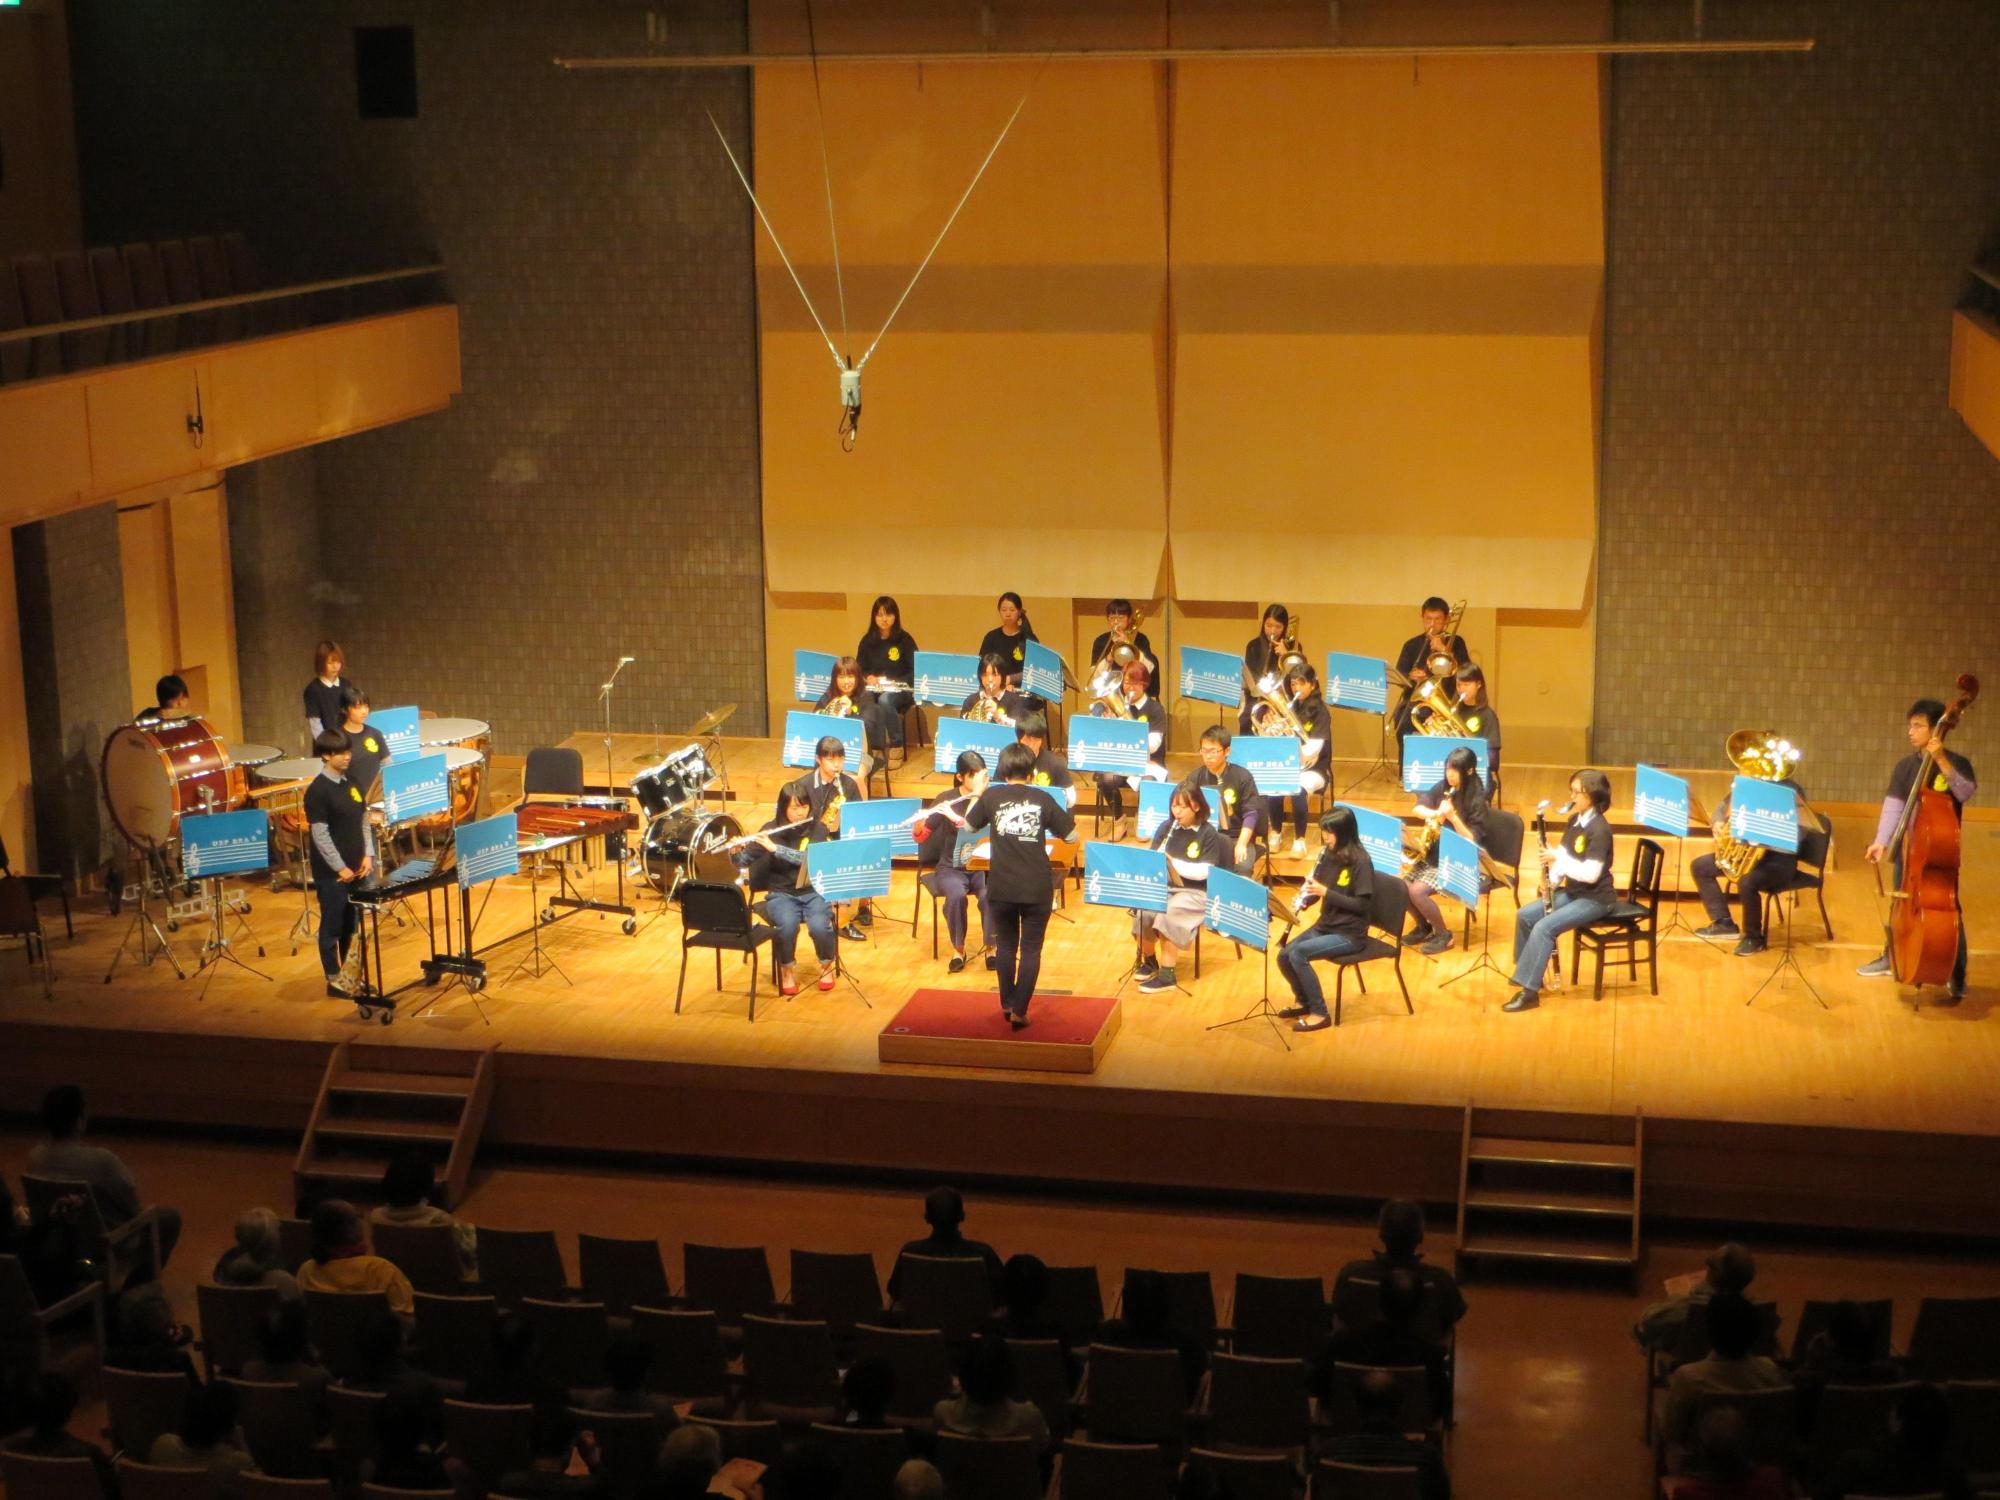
[(676, 845), (155, 773)]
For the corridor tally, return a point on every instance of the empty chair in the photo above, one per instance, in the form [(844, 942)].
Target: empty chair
[(1847, 1417), (78, 294), (230, 1319), (629, 1442), (922, 1364), (255, 1486), (688, 1359), (755, 1439), (243, 273), (350, 1420), (177, 267), (41, 300), (142, 1404), (571, 1338), (1956, 1338), (840, 1288), (1135, 1396), (622, 1274), (211, 267), (1975, 1428), (1041, 1375), (25, 1324), (989, 1468), (338, 1322), (455, 1336), (31, 1477), (1817, 1314), (115, 1249), (1115, 1471), (426, 1253), (490, 1440), (1257, 1405), (1333, 1480), (728, 1280), (108, 273), (867, 1457), (1277, 1317), (278, 1427), (788, 1370), (143, 272), (137, 1481), (1247, 1476), (951, 1294), (517, 1263), (1190, 1303), (1075, 1303)]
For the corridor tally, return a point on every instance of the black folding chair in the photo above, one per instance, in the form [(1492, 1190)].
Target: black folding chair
[(718, 916), (552, 772), (1631, 925), (1391, 903), (1815, 854)]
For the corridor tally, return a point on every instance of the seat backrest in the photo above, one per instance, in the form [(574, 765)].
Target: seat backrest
[(571, 1339), (1359, 1305), (1041, 1375), (622, 1274), (1333, 1480), (490, 1440), (350, 1421), (921, 1362), (1390, 902), (1818, 1312), (688, 1360), (295, 1243), (756, 1439), (142, 1404), (278, 1426), (1648, 860), (517, 1263), (1956, 1338), (149, 282), (1847, 1418), (30, 1477), (842, 1288), (1257, 1403), (455, 1335), (256, 1486), (553, 771), (390, 1492), (75, 286), (1137, 1395), (953, 1294), (18, 917), (243, 273), (1115, 1471), (729, 1280), (112, 280), (138, 1481), (232, 1319), (1770, 1417), (19, 1324), (1247, 1476), (41, 301), (45, 1193), (1279, 1317), (713, 906), (211, 267), (1815, 841), (1075, 1303), (1342, 1411), (629, 1445), (867, 1457), (988, 1468), (1505, 833), (426, 1253), (336, 1322), (787, 1363), (177, 265), (1975, 1424), (1190, 1303)]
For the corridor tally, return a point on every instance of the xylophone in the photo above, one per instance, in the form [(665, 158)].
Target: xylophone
[(547, 826)]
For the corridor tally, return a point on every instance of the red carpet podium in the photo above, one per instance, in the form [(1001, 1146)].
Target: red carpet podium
[(964, 1029)]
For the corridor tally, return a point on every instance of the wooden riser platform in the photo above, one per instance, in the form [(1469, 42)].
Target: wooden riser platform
[(943, 1028)]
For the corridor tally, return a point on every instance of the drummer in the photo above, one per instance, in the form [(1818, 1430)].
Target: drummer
[(370, 750), (171, 700)]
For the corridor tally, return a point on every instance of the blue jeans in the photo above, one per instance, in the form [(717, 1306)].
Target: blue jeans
[(1539, 924), (788, 909), (1296, 960)]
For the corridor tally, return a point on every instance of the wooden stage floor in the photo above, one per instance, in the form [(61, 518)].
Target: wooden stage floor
[(1777, 1111)]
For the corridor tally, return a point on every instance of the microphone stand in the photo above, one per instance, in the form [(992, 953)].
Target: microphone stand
[(604, 696)]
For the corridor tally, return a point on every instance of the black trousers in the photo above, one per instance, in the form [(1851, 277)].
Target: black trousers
[(1019, 927), (338, 920), (1769, 873)]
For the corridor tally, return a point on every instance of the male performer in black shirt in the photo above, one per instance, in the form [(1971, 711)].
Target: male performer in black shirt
[(1048, 770), (341, 850), (1947, 771), (170, 696), (369, 750), (1242, 808), (827, 786), (1118, 616), (1576, 882), (1019, 886), (1772, 872), (1410, 661)]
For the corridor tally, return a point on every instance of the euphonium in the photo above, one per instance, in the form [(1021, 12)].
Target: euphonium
[(840, 708), (1759, 753), (987, 711), (1442, 717), (1441, 661), (1272, 713)]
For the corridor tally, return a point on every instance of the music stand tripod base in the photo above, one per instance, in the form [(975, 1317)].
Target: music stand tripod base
[(1260, 1010)]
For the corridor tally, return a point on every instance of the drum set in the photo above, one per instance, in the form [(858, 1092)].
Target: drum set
[(680, 830)]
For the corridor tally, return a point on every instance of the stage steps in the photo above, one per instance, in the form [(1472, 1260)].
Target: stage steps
[(1556, 1190), (378, 1099)]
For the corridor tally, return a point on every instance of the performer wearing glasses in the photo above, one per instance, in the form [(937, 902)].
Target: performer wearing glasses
[(887, 657), (938, 852), (1576, 887), (1193, 845), (1236, 788), (1020, 888), (1411, 660)]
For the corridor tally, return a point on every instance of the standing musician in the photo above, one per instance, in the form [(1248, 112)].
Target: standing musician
[(323, 692), (888, 658), (1343, 882), (1772, 872), (1478, 715), (1262, 657), (1458, 800), (1020, 890), (170, 701), (342, 853), (1192, 845), (1032, 731), (1135, 704), (1418, 649), (1315, 756), (1946, 771), (845, 696), (369, 751), (1242, 808), (995, 702), (1576, 886), (938, 852), (1009, 639), (826, 787), (1118, 617), (774, 862)]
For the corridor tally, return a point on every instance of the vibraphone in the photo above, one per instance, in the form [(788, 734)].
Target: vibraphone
[(547, 827)]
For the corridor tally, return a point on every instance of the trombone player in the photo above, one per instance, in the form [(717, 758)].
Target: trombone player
[(1435, 655), (1123, 642), (1757, 871)]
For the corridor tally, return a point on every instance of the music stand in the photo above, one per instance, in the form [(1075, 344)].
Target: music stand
[(538, 961), (1696, 814), (148, 861), (1485, 959), (1261, 1009), (1788, 960)]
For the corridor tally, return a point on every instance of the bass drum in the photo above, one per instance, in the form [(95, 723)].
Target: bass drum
[(156, 773), (676, 841)]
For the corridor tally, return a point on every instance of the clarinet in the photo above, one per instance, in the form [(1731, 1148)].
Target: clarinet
[(1541, 850)]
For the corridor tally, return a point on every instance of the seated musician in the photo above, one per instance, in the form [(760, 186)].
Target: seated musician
[(1480, 716), (1342, 881), (170, 701), (1137, 704), (342, 852), (846, 697), (1009, 639), (1410, 661), (995, 702), (1315, 757), (1032, 730), (1460, 802), (826, 786), (1262, 656), (370, 752), (774, 862), (1118, 619), (888, 658), (937, 852), (1242, 808), (1773, 871), (1192, 845), (1576, 882), (323, 692)]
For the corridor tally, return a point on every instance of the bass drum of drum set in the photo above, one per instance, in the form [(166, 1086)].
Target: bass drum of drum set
[(680, 829)]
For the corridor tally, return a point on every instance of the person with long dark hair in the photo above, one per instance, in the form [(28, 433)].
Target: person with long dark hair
[(1262, 655), (774, 861), (1576, 886), (1343, 883), (1458, 801), (888, 659), (1020, 888), (1009, 639), (847, 695), (993, 701)]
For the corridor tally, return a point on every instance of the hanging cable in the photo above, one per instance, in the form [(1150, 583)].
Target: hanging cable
[(826, 170)]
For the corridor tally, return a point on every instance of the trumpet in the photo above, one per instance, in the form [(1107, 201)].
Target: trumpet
[(1290, 657)]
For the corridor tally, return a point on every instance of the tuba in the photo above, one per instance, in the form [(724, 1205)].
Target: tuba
[(1441, 661), (1440, 718), (1759, 753)]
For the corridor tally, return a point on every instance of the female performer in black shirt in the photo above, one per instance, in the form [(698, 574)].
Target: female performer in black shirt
[(1118, 616), (774, 862), (369, 750), (847, 696), (1262, 656), (1343, 882), (1193, 845), (888, 658), (323, 692), (1009, 639), (995, 702), (1460, 801), (1019, 887), (1315, 756), (1576, 886), (1138, 705), (937, 851), (1478, 715)]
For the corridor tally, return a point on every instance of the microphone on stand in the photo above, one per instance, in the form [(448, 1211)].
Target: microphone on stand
[(623, 662)]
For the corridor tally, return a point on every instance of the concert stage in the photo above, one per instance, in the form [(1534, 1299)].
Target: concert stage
[(1872, 1112)]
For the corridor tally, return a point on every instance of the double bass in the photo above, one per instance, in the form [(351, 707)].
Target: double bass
[(1923, 912)]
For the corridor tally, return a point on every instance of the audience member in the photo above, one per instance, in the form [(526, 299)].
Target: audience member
[(1024, 1295), (1913, 1460), (1731, 1269), (626, 1361), (1842, 1353), (147, 1337), (404, 1458), (1721, 1468), (207, 1438), (285, 1354), (1379, 1442), (47, 1250), (341, 1261), (258, 1256), (944, 1211), (803, 1472), (689, 1460), (1400, 1227), (866, 1391), (1145, 1321), (516, 1378), (984, 1405), (408, 1184), (547, 1476), (66, 1154), (919, 1479), (50, 1407), (1391, 1340), (1730, 1368)]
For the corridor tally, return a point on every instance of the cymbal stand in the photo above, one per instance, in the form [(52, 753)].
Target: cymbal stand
[(149, 864), (604, 697)]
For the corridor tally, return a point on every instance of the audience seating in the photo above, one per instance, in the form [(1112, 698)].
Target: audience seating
[(761, 1441), (489, 1440), (28, 1477), (336, 1323), (1134, 1396), (1256, 1405), (951, 1294), (142, 1404), (388, 1492), (1248, 1476), (688, 1359), (622, 1274), (278, 1428), (629, 1442), (137, 1481), (1075, 1303), (295, 1243), (113, 1249), (518, 1263), (1041, 1375), (1975, 1428), (231, 1317), (1190, 1303), (1277, 1317), (1847, 1417), (1817, 1312), (729, 1281), (570, 1340), (26, 1326), (426, 1253), (842, 1289), (455, 1336), (868, 1457), (350, 1420), (788, 1371), (1956, 1338), (922, 1365), (1338, 1481), (1339, 1413), (1096, 1470), (989, 1468), (256, 1486)]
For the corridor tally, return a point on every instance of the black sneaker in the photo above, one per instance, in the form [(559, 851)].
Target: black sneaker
[(993, 962), (1724, 928), (1159, 982), (1417, 936), (1523, 1000), (1749, 946), (1291, 1012), (1146, 968), (1315, 1022), (853, 934), (957, 964), (865, 916)]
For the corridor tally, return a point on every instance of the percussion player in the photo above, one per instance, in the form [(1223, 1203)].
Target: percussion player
[(171, 700), (342, 850), (323, 692), (370, 751)]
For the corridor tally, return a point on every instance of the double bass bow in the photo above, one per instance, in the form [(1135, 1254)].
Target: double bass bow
[(1923, 911)]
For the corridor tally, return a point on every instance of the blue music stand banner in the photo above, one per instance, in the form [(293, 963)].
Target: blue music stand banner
[(848, 869), (1211, 676), (1764, 812), (398, 728), (1118, 746), (1272, 761), (883, 817), (1458, 866), (1381, 836), (952, 737), (1041, 672), (1238, 909), (1155, 802), (1660, 801), (418, 787), (946, 678), (488, 849), (228, 843), (812, 674), (1114, 875), (1357, 682), (803, 731), (1424, 754)]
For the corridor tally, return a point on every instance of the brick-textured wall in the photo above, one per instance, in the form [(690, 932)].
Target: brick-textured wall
[(280, 603), (1796, 531)]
